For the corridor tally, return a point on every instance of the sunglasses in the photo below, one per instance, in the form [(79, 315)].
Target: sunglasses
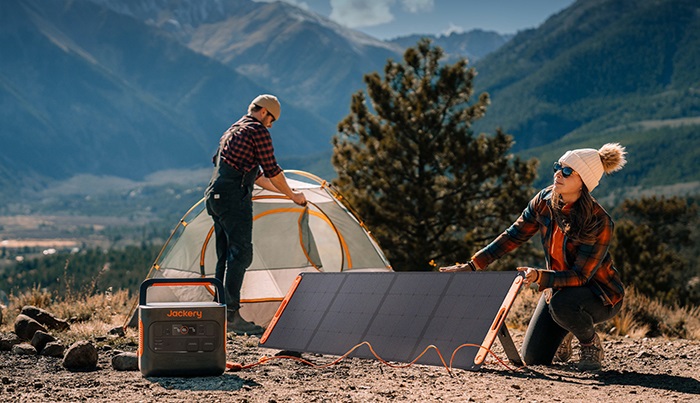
[(565, 171)]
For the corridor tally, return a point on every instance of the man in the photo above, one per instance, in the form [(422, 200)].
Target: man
[(245, 157)]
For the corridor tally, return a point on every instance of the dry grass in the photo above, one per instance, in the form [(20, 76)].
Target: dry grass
[(640, 317), (93, 314)]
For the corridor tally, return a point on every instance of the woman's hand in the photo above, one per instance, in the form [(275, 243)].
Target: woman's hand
[(455, 268), (531, 275), (469, 266)]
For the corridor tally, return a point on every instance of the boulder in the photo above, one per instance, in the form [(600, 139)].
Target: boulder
[(118, 331), (24, 349), (45, 318), (81, 356), (53, 349), (41, 339), (25, 327), (7, 340), (125, 362)]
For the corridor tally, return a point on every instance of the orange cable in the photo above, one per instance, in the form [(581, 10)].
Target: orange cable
[(264, 359)]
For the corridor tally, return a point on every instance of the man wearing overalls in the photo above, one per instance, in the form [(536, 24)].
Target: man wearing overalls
[(245, 157)]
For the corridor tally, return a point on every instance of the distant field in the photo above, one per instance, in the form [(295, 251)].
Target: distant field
[(27, 236), (38, 243), (47, 226)]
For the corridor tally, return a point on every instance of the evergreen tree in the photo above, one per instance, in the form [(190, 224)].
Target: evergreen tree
[(655, 248), (431, 191)]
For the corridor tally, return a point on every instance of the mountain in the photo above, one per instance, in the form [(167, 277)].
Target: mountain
[(104, 93), (600, 71), (300, 55), (84, 89), (473, 45), (599, 62)]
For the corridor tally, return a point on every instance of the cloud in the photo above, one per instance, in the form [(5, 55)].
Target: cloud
[(368, 13), (361, 13), (451, 29)]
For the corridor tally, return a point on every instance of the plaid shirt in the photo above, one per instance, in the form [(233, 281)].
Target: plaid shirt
[(586, 264), (246, 145)]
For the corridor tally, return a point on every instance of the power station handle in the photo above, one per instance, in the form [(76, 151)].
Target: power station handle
[(179, 282)]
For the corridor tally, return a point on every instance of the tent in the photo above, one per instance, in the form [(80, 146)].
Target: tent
[(288, 239)]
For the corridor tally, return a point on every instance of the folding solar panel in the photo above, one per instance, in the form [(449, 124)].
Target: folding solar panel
[(398, 314)]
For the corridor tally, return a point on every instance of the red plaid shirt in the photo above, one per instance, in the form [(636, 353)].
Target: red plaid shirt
[(586, 264), (246, 145)]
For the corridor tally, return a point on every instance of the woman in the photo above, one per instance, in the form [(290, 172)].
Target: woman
[(581, 286)]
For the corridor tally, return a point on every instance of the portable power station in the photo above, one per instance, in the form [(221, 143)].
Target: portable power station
[(182, 338)]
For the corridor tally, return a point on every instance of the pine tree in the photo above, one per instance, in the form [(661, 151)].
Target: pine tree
[(431, 191), (655, 248)]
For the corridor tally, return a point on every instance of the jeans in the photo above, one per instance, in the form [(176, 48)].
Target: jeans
[(571, 309)]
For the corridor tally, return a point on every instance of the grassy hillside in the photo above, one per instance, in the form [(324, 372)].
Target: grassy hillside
[(660, 153), (598, 64)]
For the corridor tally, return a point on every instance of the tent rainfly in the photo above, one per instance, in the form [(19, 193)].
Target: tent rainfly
[(288, 239)]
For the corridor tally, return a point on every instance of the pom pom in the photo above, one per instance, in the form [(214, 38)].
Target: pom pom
[(612, 155)]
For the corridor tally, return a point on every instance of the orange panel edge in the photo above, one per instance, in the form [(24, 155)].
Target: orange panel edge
[(498, 321), (283, 305)]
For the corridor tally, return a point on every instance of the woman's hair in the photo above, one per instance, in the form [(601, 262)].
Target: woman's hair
[(581, 225)]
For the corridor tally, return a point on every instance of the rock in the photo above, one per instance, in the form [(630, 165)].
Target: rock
[(40, 339), (119, 331), (81, 356), (24, 349), (53, 349), (7, 340), (125, 362), (25, 327), (643, 354), (45, 318)]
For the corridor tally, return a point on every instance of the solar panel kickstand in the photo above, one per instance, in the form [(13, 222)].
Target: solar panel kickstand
[(508, 346)]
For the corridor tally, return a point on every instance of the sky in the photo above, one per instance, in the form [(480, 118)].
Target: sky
[(387, 19)]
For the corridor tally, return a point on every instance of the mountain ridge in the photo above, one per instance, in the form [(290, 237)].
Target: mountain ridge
[(295, 50), (88, 90), (593, 61)]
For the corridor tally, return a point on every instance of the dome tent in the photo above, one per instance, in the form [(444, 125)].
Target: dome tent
[(288, 239)]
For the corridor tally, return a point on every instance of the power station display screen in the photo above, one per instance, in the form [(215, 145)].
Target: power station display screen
[(184, 337)]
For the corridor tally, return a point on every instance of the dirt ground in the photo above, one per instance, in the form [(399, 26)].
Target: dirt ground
[(635, 370)]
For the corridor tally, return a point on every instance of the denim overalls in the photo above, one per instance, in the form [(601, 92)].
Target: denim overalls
[(229, 202)]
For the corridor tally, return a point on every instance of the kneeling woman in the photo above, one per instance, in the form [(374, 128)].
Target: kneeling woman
[(581, 286)]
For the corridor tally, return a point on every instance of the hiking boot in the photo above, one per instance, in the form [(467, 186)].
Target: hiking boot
[(564, 351), (591, 355), (236, 324)]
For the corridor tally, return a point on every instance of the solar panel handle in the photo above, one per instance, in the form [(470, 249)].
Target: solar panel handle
[(179, 282)]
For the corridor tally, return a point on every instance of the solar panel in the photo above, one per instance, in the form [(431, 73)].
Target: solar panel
[(398, 314)]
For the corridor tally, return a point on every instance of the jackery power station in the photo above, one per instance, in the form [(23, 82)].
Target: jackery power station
[(182, 338)]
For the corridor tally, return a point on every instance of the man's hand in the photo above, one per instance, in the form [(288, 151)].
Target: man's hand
[(299, 198)]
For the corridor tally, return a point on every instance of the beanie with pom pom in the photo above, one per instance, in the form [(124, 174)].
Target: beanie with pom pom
[(590, 164)]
